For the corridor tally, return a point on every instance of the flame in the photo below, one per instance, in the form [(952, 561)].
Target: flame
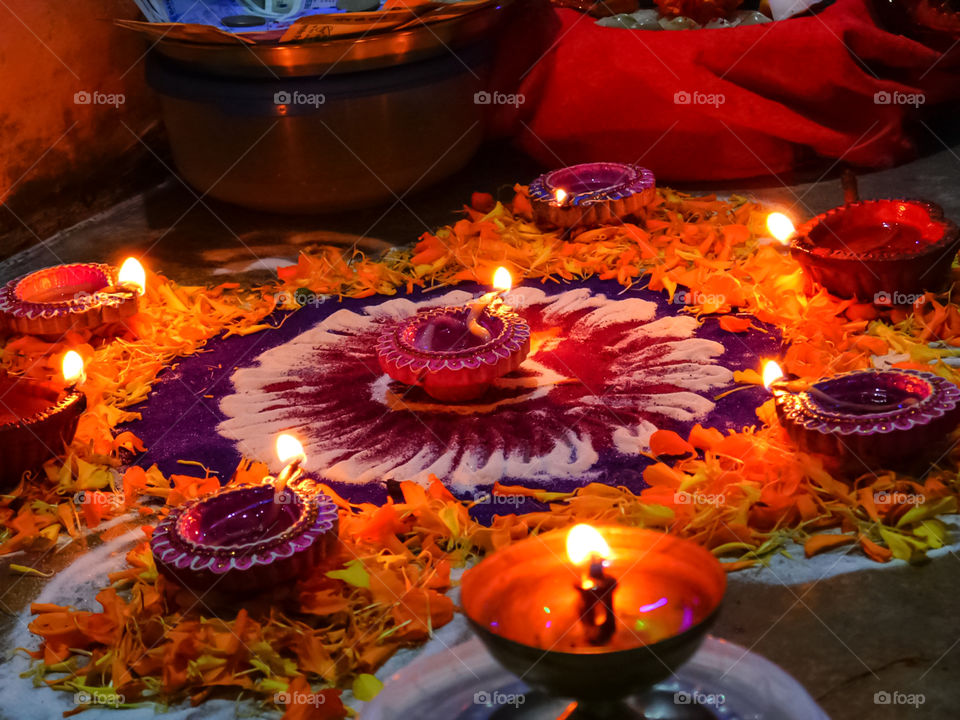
[(560, 196), (132, 273), (780, 226), (502, 280), (771, 373), (583, 541), (72, 368), (289, 448)]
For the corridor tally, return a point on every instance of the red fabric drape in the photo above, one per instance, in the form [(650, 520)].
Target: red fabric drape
[(762, 99)]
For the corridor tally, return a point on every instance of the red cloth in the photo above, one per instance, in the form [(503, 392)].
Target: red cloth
[(791, 90)]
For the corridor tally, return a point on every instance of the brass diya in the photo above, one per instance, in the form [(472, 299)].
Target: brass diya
[(523, 603)]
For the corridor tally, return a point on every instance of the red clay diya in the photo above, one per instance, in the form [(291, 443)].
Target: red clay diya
[(591, 194), (878, 250), (248, 538), (455, 353), (541, 611), (37, 419), (53, 301), (872, 418)]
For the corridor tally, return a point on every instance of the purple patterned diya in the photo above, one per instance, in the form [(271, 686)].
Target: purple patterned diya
[(246, 538), (36, 421), (437, 351), (878, 250), (872, 418), (591, 194), (55, 300)]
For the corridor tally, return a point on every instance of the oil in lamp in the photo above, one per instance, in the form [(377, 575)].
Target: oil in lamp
[(455, 353), (37, 419), (591, 194), (81, 296), (878, 250), (867, 418), (598, 615), (248, 538)]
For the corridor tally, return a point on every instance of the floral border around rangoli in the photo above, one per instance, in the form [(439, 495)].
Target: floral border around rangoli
[(386, 588)]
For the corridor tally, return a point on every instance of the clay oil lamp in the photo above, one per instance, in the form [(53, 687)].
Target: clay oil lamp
[(591, 194), (82, 296), (248, 538), (886, 252), (455, 353), (596, 615), (37, 419), (868, 419)]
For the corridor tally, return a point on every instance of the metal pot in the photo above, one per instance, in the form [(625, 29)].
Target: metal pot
[(319, 144)]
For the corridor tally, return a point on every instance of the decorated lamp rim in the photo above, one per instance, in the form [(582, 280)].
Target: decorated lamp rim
[(13, 303), (943, 398), (801, 242), (318, 517), (512, 336), (59, 402), (638, 179)]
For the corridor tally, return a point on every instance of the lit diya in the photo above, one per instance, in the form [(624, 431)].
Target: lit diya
[(878, 250), (868, 418), (247, 538), (455, 353), (591, 194), (37, 419), (53, 301), (594, 614)]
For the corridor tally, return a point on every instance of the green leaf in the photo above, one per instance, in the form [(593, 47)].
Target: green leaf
[(902, 547), (353, 573), (366, 687), (943, 506)]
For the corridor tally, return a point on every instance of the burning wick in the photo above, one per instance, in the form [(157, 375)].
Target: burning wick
[(780, 227), (132, 277), (502, 281), (587, 549), (560, 197), (776, 383), (290, 451), (72, 369)]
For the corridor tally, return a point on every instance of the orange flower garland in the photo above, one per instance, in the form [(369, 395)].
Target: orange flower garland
[(743, 495)]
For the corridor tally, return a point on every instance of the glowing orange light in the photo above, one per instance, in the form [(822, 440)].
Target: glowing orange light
[(289, 448), (132, 273), (585, 541), (502, 280), (780, 227), (72, 368), (560, 196), (771, 373)]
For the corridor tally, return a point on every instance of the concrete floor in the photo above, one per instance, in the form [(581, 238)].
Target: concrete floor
[(845, 628)]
